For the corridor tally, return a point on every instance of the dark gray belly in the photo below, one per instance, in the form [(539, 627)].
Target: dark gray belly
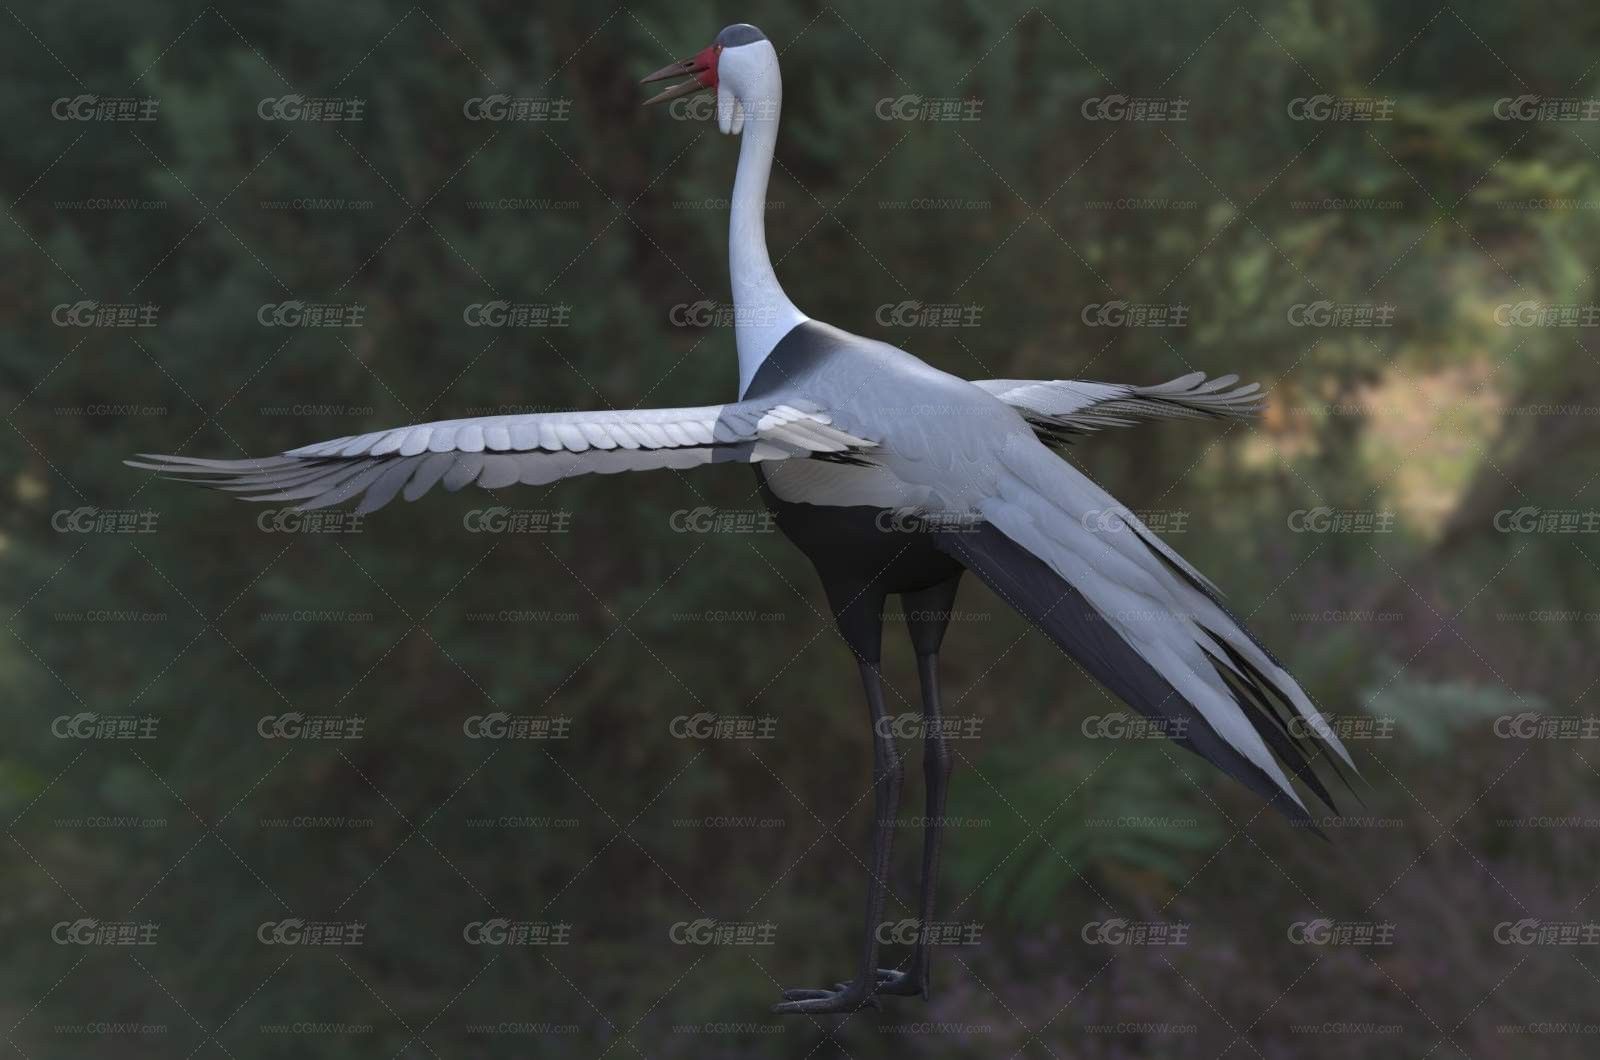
[(862, 545)]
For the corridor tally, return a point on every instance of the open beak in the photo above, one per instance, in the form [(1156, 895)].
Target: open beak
[(700, 69)]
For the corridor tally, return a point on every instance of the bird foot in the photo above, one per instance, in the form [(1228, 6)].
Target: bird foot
[(844, 997), (850, 997), (909, 983)]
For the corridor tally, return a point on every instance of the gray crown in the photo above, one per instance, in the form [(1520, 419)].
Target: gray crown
[(741, 33)]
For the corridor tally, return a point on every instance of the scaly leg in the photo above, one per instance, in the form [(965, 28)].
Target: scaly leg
[(847, 997), (927, 615)]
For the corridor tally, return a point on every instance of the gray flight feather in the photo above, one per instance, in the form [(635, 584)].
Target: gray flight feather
[(500, 451)]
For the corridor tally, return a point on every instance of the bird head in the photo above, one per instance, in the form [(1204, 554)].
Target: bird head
[(740, 65)]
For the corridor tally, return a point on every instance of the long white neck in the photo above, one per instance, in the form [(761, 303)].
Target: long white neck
[(762, 313)]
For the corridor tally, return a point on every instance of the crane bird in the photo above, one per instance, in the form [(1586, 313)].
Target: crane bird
[(893, 478)]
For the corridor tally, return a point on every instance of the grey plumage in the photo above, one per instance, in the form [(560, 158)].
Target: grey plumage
[(500, 451), (893, 428), (1061, 408), (1076, 627), (960, 451)]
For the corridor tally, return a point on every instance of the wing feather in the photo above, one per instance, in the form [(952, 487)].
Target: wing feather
[(1060, 408), (499, 451), (348, 488), (383, 489), (429, 472)]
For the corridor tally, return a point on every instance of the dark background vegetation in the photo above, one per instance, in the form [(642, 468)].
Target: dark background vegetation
[(1439, 626)]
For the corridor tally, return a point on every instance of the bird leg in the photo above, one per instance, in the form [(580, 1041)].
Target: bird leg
[(936, 765), (927, 618), (886, 774)]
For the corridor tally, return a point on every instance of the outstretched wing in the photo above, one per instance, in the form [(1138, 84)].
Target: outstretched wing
[(1145, 623), (1060, 408), (496, 451)]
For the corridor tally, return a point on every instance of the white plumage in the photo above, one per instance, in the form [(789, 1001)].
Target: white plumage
[(534, 449)]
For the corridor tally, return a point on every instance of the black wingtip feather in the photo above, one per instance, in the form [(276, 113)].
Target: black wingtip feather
[(1072, 623)]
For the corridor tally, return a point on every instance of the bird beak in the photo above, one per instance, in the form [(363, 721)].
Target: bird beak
[(701, 69)]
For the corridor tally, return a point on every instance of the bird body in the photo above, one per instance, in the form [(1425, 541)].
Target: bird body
[(960, 457), (930, 427), (893, 477)]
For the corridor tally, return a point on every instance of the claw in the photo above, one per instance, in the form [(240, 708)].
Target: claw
[(846, 997), (805, 994), (900, 983)]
